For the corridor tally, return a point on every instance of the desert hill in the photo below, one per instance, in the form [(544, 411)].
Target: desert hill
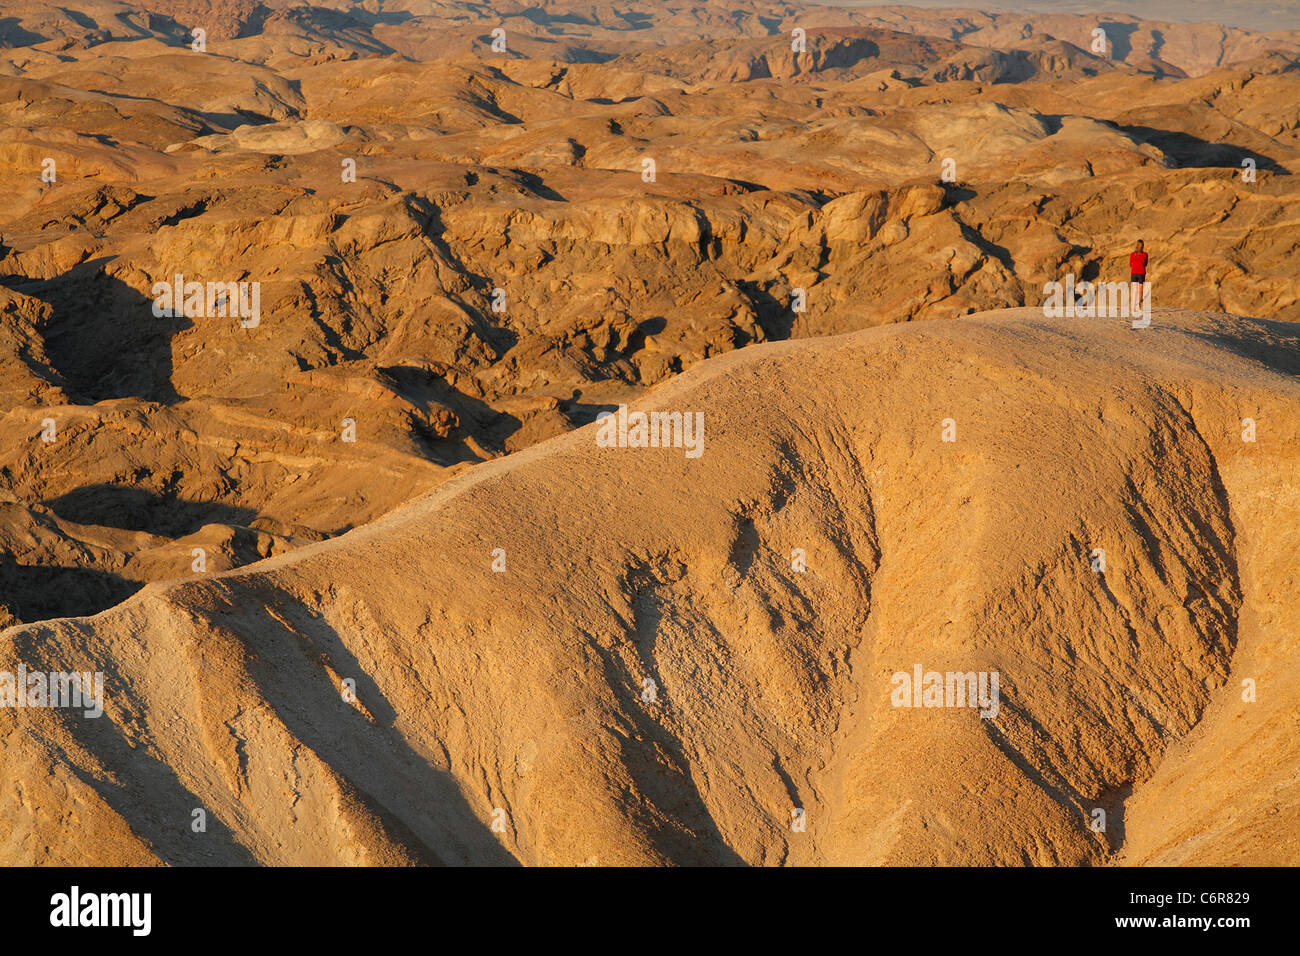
[(499, 263), (363, 584), (826, 538)]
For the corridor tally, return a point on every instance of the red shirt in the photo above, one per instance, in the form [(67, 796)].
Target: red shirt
[(1137, 263)]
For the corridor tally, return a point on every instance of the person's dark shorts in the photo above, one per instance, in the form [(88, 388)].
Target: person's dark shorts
[(1137, 278)]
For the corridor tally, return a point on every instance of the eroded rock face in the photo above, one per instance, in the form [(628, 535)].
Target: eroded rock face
[(640, 655), (460, 251), (417, 250)]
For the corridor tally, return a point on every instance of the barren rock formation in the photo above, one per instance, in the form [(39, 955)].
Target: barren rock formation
[(517, 687), (501, 267), (431, 239)]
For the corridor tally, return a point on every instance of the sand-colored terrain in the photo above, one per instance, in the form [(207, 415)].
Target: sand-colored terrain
[(501, 269), (472, 228), (521, 691)]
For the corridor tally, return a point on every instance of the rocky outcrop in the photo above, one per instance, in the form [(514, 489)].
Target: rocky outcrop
[(460, 252), (585, 653)]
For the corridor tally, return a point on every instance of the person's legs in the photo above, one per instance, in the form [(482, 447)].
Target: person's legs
[(1136, 282)]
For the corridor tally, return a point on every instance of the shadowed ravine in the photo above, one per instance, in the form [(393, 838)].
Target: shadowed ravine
[(522, 690)]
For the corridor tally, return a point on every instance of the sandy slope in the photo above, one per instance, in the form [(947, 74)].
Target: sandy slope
[(522, 690), (500, 266)]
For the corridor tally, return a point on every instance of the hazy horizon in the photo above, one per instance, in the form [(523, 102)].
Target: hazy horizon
[(1248, 14)]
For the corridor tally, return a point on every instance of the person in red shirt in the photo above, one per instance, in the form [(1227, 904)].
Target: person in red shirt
[(1137, 268)]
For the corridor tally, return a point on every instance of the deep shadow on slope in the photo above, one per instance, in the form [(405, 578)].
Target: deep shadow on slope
[(103, 340), (40, 592), (434, 822), (136, 509), (148, 794), (1192, 152)]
